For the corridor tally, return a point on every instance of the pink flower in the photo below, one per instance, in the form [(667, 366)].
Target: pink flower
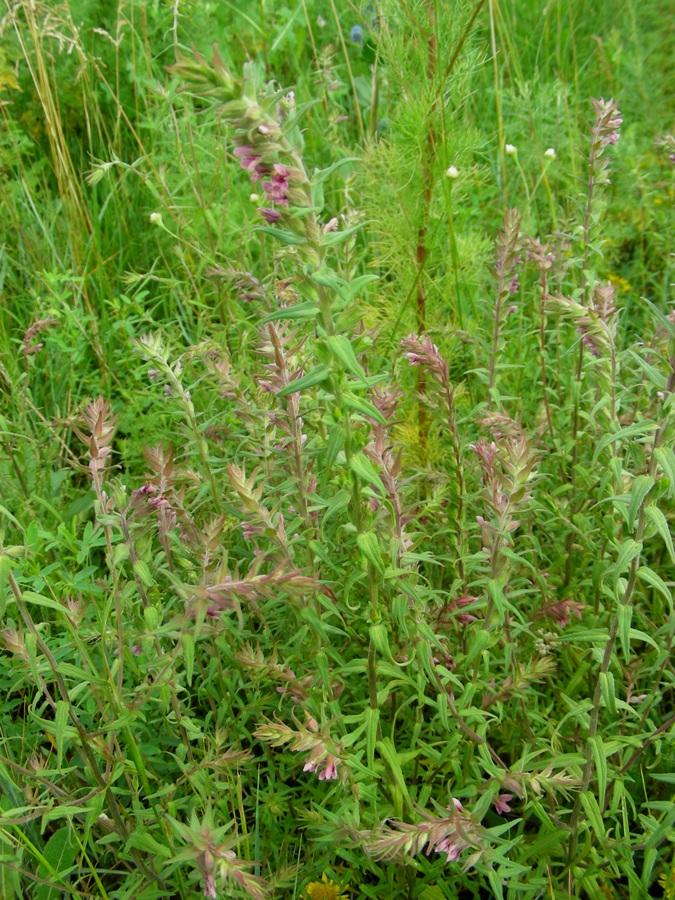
[(325, 764), (329, 772), (449, 847), (561, 611), (276, 189), (251, 162), (501, 803), (270, 215), (210, 887)]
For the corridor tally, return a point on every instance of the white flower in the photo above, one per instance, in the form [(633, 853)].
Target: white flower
[(254, 198), (156, 219), (510, 150), (550, 153), (452, 172)]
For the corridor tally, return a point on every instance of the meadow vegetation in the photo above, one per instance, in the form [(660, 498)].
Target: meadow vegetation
[(337, 480)]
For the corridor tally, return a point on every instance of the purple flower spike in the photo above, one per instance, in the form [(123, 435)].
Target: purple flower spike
[(270, 215)]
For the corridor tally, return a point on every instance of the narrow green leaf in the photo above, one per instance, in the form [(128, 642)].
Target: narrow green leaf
[(364, 468), (593, 814), (651, 578), (608, 691), (306, 310), (388, 753), (338, 503), (372, 723), (658, 379), (636, 429), (642, 485), (665, 456), (341, 348), (600, 760), (286, 237), (143, 573), (660, 833), (333, 238), (370, 548), (365, 407), (624, 614), (664, 321), (39, 600), (188, 641), (315, 376), (637, 635), (658, 519), (60, 722), (379, 637), (628, 551), (322, 174)]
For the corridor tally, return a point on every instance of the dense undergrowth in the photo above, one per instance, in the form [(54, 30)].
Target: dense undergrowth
[(336, 450)]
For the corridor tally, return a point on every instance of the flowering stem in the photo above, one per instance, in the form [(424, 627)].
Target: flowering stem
[(72, 715), (624, 601)]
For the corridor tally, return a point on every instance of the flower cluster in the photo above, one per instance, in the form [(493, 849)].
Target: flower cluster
[(261, 135), (325, 764), (451, 611), (29, 345), (561, 612), (208, 848), (324, 753), (608, 122), (507, 470), (605, 133), (449, 835), (422, 352)]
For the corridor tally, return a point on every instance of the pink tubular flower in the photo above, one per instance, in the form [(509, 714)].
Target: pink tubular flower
[(270, 215), (561, 611), (450, 848), (608, 123), (501, 803), (325, 764), (329, 772), (210, 887), (251, 162), (276, 190)]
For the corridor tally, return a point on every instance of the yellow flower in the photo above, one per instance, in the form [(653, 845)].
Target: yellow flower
[(324, 890), (667, 881), (620, 282)]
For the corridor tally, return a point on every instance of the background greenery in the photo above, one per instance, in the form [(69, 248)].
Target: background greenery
[(124, 213)]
